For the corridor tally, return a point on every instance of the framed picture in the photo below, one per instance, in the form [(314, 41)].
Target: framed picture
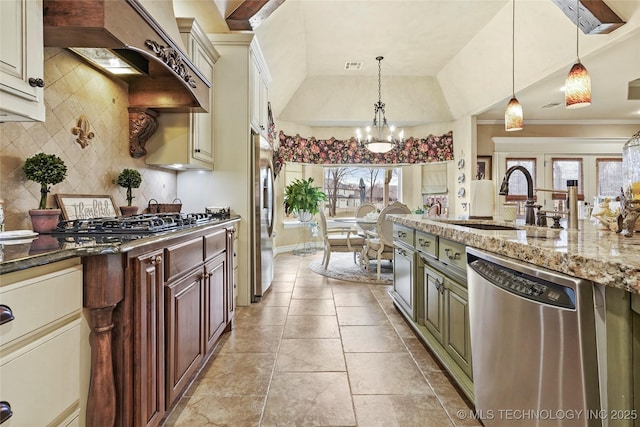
[(83, 206), (483, 169)]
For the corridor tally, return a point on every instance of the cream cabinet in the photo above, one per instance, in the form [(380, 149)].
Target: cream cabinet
[(21, 61), (42, 345), (259, 79), (185, 140)]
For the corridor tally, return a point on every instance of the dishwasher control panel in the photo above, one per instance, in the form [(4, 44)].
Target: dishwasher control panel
[(524, 285)]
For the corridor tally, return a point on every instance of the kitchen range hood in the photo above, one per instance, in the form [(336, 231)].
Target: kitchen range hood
[(166, 79)]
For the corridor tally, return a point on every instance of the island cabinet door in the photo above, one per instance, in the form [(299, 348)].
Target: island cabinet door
[(403, 280), (149, 400), (458, 338), (214, 299), (434, 303), (184, 331)]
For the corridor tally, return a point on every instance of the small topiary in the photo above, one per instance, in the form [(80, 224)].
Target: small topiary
[(129, 178), (46, 170)]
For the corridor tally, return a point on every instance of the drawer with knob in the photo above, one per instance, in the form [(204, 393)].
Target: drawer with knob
[(452, 253), (403, 234)]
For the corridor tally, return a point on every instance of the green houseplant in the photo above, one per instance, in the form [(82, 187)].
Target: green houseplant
[(129, 178), (46, 170), (302, 197)]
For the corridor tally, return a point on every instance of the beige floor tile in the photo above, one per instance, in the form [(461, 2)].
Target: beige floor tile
[(311, 327), (371, 339), (309, 399), (400, 411), (310, 355), (257, 339), (232, 374), (314, 280), (360, 298), (369, 315), (261, 315), (282, 286), (451, 398), (342, 286), (301, 292), (321, 307), (201, 411), (276, 299), (385, 373), (425, 360), (284, 277)]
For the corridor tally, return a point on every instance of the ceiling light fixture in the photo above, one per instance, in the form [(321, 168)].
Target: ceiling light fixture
[(383, 138), (577, 92), (513, 117)]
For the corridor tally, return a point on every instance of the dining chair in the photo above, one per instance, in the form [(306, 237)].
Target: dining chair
[(378, 244), (339, 239), (361, 211)]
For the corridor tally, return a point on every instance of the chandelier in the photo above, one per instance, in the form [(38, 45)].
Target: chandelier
[(379, 136)]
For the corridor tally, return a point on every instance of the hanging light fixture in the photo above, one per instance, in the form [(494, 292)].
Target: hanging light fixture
[(513, 113), (379, 136), (577, 88)]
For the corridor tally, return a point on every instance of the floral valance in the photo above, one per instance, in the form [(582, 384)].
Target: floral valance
[(333, 151)]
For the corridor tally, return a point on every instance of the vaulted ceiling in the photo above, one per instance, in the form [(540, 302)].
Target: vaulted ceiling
[(443, 59)]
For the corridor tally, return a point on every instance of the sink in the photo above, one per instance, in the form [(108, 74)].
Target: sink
[(482, 226)]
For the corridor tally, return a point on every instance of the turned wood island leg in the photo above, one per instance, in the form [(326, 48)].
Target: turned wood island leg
[(101, 404), (103, 290)]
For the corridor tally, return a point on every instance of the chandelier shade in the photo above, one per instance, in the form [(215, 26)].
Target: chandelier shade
[(380, 137), (577, 88)]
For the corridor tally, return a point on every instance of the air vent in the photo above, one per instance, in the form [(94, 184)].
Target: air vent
[(353, 66), (552, 105)]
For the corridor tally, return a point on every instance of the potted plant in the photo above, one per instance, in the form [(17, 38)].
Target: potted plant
[(46, 170), (302, 198), (129, 178)]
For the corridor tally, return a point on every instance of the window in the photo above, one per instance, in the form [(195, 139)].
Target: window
[(518, 182), (347, 187), (563, 169), (608, 176)]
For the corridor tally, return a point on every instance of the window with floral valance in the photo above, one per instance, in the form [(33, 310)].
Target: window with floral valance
[(339, 152)]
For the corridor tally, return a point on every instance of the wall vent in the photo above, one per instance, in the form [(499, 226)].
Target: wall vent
[(353, 66)]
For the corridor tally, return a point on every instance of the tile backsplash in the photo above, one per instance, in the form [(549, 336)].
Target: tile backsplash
[(73, 89)]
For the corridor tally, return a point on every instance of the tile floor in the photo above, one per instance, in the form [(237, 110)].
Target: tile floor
[(321, 352)]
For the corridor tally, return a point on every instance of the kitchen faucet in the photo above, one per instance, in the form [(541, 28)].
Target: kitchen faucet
[(529, 217)]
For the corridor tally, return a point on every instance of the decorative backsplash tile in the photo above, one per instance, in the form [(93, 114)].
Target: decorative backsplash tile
[(73, 89)]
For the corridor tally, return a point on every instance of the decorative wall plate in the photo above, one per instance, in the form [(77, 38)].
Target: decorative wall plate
[(461, 178), (461, 192), (460, 163)]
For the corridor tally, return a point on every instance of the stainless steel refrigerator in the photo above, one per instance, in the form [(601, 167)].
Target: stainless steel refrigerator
[(263, 200)]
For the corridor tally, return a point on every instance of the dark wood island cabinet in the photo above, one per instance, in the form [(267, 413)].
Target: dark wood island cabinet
[(156, 313)]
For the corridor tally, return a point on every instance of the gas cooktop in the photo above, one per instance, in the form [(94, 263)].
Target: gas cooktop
[(144, 224)]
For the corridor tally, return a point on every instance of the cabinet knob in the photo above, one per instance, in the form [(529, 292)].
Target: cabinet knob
[(5, 411), (155, 260), (6, 315), (197, 150), (451, 256), (424, 243), (209, 274), (36, 82)]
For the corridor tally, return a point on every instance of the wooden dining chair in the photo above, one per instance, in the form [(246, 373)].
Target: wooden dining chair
[(340, 239), (378, 245)]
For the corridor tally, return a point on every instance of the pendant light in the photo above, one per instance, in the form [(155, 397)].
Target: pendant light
[(513, 113), (577, 88)]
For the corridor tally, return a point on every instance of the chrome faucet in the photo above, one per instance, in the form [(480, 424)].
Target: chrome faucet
[(529, 217)]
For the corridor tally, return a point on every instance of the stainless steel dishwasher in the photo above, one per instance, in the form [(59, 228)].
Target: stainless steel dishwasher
[(533, 341)]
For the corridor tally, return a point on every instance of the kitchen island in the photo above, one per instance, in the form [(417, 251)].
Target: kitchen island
[(156, 306), (431, 292)]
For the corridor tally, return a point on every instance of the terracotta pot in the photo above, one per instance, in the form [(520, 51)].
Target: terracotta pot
[(44, 220), (128, 210)]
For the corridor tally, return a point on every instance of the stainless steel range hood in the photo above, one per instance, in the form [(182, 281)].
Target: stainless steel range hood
[(169, 83)]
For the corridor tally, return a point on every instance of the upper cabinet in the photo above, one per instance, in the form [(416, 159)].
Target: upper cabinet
[(259, 79), (185, 140), (21, 61)]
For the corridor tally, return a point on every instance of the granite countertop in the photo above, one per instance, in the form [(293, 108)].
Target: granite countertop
[(590, 253), (46, 249)]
